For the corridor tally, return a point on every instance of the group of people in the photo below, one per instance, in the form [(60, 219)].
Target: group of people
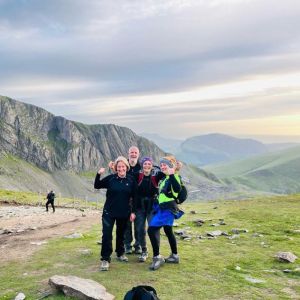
[(138, 191)]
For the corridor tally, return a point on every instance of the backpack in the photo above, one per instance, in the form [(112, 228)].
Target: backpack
[(141, 292), (153, 179), (183, 194)]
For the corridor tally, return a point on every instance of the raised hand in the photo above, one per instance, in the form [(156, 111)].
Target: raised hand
[(101, 171)]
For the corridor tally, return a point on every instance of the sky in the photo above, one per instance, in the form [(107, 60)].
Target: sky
[(175, 68)]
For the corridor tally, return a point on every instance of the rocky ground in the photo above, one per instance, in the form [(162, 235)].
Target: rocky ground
[(23, 229)]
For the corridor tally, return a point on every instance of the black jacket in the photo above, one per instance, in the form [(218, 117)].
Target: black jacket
[(120, 194)]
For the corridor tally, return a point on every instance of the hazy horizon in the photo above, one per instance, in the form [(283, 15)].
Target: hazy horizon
[(179, 68)]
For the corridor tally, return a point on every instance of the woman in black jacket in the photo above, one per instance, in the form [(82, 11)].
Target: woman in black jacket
[(118, 208), (147, 192)]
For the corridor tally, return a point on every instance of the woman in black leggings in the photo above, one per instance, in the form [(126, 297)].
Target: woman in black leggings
[(118, 208), (165, 212)]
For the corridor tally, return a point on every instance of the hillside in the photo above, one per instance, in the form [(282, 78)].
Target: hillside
[(276, 172), (40, 151), (214, 148), (237, 266), (55, 143)]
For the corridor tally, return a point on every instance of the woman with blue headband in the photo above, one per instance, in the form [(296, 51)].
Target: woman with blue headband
[(165, 212)]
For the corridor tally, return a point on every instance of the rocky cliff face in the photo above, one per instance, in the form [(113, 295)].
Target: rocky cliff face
[(55, 143)]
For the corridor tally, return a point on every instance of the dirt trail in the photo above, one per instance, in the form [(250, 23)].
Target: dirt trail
[(31, 226)]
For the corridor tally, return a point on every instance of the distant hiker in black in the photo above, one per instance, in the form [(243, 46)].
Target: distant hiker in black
[(147, 193), (50, 200), (118, 208)]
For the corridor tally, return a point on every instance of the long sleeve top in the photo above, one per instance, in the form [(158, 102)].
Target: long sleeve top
[(146, 187), (120, 194), (169, 188)]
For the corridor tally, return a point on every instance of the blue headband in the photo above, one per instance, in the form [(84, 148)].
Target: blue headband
[(167, 162)]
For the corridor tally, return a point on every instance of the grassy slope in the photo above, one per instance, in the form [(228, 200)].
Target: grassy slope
[(274, 172), (17, 174), (207, 269)]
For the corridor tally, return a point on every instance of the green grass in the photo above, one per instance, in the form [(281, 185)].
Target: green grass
[(276, 172), (207, 269)]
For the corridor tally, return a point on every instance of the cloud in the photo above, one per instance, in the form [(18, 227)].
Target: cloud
[(127, 60)]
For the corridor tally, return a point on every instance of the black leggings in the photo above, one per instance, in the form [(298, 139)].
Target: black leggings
[(154, 235)]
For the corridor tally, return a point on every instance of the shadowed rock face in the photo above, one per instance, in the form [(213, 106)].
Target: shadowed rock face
[(55, 143)]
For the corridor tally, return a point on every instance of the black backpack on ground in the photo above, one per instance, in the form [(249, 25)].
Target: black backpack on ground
[(141, 292)]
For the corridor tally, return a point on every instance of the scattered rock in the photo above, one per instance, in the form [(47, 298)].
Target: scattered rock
[(187, 228), (296, 231), (216, 207), (238, 231), (85, 289), (199, 222), (74, 236), (214, 233), (179, 231), (234, 236), (32, 228), (99, 242), (20, 296), (39, 243), (7, 231), (238, 268), (257, 234), (175, 224), (215, 224), (287, 271), (186, 237), (193, 212), (201, 237), (225, 233), (222, 222), (86, 252), (254, 280), (286, 256)]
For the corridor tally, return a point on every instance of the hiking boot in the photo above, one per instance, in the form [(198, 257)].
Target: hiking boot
[(104, 265), (128, 250), (122, 258), (173, 259), (137, 250), (157, 261), (143, 257)]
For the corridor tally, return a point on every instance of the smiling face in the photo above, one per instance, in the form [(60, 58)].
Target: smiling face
[(164, 168), (133, 155), (147, 167), (121, 169)]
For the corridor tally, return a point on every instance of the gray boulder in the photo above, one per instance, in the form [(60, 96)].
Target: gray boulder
[(214, 233), (20, 296), (84, 289), (286, 256)]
